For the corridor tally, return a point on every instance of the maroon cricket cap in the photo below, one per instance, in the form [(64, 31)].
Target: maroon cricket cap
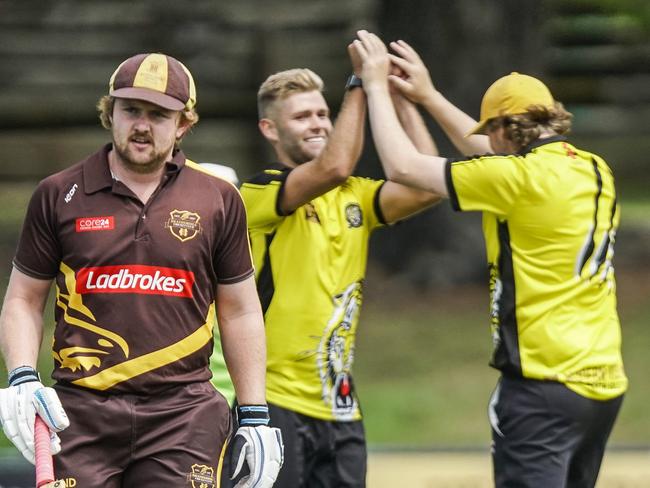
[(155, 78)]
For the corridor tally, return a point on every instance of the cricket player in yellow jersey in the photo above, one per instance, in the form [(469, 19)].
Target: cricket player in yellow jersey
[(310, 222), (549, 220)]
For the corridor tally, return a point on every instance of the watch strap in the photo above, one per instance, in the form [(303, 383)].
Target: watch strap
[(353, 82)]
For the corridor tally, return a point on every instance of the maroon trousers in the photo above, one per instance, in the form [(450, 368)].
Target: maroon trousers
[(174, 438)]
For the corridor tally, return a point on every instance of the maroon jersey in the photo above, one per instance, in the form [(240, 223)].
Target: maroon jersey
[(135, 282)]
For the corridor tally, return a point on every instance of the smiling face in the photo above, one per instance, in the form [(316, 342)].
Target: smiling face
[(144, 134), (298, 127)]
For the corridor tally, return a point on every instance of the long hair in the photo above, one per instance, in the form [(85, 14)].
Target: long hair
[(522, 129)]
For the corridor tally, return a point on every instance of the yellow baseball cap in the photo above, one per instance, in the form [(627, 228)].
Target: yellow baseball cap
[(511, 95), (155, 78)]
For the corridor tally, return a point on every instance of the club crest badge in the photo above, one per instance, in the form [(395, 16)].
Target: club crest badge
[(353, 215), (183, 224), (202, 476)]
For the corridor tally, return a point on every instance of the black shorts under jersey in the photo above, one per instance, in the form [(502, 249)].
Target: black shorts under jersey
[(320, 453), (545, 435)]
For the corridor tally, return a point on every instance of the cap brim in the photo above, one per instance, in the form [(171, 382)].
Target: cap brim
[(478, 128), (157, 98)]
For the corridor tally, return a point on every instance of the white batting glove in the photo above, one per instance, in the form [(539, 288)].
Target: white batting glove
[(257, 450), (21, 401)]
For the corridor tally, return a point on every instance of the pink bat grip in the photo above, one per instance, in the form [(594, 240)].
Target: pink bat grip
[(44, 465)]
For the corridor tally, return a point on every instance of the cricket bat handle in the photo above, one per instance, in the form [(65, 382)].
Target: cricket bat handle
[(43, 456)]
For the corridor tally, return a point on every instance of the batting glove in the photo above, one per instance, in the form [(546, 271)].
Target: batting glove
[(257, 446), (21, 401)]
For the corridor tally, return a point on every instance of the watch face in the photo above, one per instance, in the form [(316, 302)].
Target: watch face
[(353, 81)]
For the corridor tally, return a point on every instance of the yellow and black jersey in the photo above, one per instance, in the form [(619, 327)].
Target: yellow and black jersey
[(549, 219), (310, 267)]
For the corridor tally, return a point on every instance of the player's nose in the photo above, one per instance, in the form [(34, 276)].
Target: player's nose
[(317, 123), (142, 124)]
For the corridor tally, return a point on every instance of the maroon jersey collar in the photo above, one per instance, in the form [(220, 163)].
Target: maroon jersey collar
[(97, 174)]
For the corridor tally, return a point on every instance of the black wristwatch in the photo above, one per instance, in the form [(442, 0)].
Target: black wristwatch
[(353, 82)]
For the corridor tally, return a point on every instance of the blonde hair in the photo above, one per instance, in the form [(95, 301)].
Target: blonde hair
[(106, 104), (522, 129), (280, 85)]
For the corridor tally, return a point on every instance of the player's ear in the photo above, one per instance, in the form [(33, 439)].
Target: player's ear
[(180, 131), (268, 129), (184, 125)]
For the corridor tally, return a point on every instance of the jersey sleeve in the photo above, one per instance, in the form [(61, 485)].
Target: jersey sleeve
[(261, 196), (233, 260), (38, 254), (367, 191), (485, 183)]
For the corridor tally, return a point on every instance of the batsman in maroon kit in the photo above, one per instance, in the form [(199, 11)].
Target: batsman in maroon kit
[(145, 247)]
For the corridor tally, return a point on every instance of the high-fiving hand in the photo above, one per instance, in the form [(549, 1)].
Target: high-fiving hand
[(375, 64), (416, 83), (404, 71)]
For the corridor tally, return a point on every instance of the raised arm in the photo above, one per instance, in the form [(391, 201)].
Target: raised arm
[(402, 161), (398, 201), (413, 124), (417, 86), (338, 159)]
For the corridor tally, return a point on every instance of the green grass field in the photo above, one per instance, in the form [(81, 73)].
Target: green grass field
[(422, 372), (421, 360)]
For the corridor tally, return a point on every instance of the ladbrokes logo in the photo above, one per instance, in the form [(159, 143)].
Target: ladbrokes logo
[(135, 278), (85, 224)]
